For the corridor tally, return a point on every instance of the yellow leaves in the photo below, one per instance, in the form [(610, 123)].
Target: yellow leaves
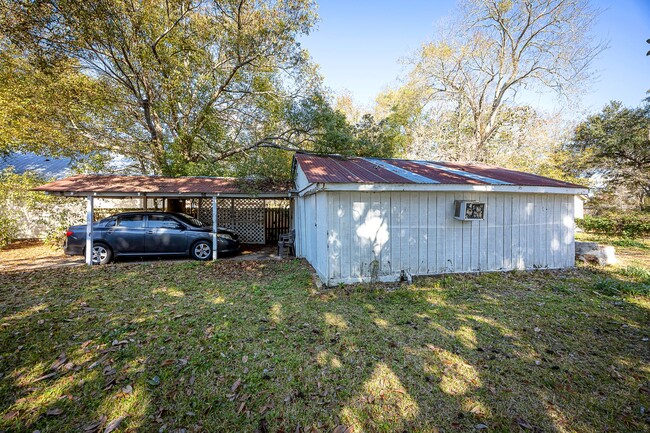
[(437, 51), (504, 6)]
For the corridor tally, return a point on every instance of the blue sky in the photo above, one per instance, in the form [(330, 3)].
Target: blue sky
[(358, 45)]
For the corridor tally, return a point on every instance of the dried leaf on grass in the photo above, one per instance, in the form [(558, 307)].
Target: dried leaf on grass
[(113, 425), (94, 426), (55, 411), (235, 385)]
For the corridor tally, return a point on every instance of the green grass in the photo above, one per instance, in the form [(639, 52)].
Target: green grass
[(641, 243), (240, 346)]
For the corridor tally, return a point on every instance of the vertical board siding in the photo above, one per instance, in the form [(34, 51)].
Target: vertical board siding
[(350, 235)]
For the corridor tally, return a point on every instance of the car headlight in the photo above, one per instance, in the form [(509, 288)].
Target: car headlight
[(224, 236)]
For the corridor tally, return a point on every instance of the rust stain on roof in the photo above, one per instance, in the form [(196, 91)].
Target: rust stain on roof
[(338, 169)]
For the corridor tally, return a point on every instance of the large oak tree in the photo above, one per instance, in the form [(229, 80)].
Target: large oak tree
[(182, 83)]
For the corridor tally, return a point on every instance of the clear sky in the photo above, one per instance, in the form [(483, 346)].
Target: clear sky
[(359, 43)]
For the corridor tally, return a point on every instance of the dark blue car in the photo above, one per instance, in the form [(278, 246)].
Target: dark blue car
[(150, 234)]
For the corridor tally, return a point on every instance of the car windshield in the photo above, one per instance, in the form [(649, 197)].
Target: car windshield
[(189, 220)]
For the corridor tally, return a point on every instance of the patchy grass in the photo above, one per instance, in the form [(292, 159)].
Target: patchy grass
[(253, 345), (629, 252)]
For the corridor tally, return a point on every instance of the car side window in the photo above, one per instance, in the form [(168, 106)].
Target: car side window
[(162, 222), (110, 222), (130, 221)]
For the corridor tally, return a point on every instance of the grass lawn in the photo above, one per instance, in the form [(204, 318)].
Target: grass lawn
[(248, 346)]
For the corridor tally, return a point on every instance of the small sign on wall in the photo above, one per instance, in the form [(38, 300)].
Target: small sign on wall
[(469, 210)]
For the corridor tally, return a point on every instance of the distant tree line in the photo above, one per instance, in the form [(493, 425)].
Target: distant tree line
[(222, 87)]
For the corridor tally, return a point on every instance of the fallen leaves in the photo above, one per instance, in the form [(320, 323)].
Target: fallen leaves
[(113, 425), (59, 362), (235, 385), (94, 426), (56, 411)]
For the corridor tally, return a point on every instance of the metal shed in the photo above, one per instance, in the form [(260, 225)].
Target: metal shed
[(237, 204), (365, 219)]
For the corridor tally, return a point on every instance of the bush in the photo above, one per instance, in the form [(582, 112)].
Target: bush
[(7, 230), (21, 207), (633, 225)]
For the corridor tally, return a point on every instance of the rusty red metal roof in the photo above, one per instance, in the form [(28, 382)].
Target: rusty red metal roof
[(114, 184), (339, 169)]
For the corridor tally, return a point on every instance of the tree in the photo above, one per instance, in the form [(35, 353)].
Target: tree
[(615, 144), (496, 48), (186, 83), (39, 105)]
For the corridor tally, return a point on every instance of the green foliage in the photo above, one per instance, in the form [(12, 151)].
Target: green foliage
[(615, 144), (637, 273), (613, 287), (20, 206), (333, 133), (185, 85), (41, 106), (7, 230), (629, 225)]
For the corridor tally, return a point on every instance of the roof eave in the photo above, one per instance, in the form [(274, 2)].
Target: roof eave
[(379, 187)]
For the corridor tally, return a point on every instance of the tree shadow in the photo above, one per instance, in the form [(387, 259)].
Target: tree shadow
[(228, 346)]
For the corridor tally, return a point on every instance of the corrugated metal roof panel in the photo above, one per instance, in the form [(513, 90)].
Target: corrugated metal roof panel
[(511, 176), (394, 168), (440, 176), (46, 167), (466, 173), (337, 169)]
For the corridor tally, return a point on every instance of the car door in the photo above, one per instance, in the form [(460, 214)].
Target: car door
[(165, 235), (126, 234)]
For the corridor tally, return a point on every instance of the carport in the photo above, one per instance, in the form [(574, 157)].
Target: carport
[(206, 191)]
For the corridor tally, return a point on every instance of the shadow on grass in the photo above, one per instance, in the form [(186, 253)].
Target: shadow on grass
[(238, 346)]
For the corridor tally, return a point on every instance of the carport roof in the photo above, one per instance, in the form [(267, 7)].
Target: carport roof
[(159, 186)]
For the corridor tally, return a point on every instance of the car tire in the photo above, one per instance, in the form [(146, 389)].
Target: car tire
[(201, 250), (102, 254)]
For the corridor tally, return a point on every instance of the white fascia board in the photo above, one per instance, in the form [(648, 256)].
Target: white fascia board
[(165, 195), (380, 187)]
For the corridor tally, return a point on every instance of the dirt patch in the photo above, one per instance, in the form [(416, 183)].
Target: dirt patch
[(33, 254)]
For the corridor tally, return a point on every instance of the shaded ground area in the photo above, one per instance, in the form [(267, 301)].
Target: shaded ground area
[(254, 345), (33, 254)]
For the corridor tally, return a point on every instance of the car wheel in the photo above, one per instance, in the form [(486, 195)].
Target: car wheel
[(101, 254), (202, 250)]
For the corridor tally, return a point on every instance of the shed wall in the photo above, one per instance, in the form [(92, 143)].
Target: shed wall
[(381, 234), (311, 231)]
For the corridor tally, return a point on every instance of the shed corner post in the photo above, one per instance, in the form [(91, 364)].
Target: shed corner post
[(89, 229), (214, 227)]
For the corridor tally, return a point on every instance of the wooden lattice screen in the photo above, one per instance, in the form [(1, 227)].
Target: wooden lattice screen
[(244, 216)]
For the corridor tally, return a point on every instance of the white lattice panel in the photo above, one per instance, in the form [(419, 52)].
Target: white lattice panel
[(243, 216)]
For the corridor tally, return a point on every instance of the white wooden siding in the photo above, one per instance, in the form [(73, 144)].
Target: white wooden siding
[(345, 235), (311, 231)]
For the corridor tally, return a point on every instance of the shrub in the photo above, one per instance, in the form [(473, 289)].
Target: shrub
[(7, 230), (19, 204), (633, 225)]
